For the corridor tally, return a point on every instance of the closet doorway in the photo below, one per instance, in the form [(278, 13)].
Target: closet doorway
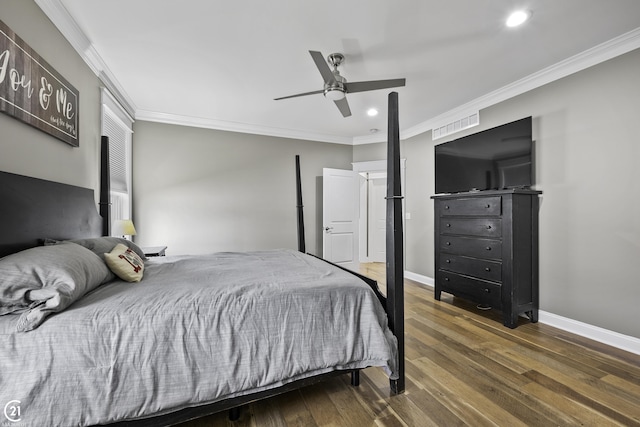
[(372, 181), (373, 190)]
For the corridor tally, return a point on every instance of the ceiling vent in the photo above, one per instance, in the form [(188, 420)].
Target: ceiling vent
[(457, 125)]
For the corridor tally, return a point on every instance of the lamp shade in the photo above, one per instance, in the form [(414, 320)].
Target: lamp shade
[(124, 227)]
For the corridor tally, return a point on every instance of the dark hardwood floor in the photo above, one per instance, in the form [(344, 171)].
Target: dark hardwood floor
[(465, 368)]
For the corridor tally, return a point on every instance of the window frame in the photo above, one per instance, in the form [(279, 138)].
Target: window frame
[(121, 201)]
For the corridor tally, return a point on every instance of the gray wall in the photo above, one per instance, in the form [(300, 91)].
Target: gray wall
[(28, 151), (200, 190), (587, 154)]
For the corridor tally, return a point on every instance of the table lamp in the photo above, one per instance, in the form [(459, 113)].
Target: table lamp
[(123, 227)]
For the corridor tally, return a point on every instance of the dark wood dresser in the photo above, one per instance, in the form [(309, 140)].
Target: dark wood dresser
[(486, 250)]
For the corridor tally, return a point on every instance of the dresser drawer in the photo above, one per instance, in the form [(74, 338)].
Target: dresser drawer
[(469, 246), (477, 206), (482, 227), (476, 290), (484, 269)]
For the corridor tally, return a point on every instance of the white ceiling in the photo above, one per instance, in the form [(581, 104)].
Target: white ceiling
[(219, 64)]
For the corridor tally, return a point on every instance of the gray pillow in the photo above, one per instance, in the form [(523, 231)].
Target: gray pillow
[(47, 279), (104, 245)]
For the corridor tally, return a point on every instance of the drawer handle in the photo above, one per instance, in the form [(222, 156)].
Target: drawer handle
[(488, 248), (487, 290), (488, 206), (446, 279), (487, 269), (448, 243), (446, 206), (448, 225), (448, 261), (488, 227)]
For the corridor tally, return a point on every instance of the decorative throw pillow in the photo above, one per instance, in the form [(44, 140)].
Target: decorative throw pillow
[(125, 263)]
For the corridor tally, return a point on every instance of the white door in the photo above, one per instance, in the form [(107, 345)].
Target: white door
[(340, 217), (377, 219)]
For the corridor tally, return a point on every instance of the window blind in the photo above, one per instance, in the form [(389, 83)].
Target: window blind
[(118, 126), (117, 153)]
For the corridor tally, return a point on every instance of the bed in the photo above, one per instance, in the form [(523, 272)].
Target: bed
[(197, 335)]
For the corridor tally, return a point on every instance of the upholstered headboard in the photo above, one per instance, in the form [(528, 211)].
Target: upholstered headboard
[(33, 209)]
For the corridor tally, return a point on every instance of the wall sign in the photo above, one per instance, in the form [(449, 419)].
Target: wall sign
[(32, 91)]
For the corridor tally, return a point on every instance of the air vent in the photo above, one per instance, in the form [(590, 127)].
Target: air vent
[(456, 126)]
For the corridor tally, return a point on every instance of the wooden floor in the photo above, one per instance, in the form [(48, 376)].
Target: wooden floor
[(465, 368)]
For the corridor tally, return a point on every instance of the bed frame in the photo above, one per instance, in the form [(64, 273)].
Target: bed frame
[(34, 209)]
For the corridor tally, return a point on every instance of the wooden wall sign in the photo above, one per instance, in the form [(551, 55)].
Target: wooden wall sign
[(32, 91)]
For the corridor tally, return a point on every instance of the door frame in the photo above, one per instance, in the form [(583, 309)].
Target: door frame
[(373, 167)]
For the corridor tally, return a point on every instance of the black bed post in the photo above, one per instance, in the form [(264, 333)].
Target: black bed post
[(301, 245), (395, 255), (105, 186)]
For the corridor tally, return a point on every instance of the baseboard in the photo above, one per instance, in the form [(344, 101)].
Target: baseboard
[(605, 336), (425, 280), (596, 333)]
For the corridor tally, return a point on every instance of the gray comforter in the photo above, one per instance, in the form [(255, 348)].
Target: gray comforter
[(195, 330)]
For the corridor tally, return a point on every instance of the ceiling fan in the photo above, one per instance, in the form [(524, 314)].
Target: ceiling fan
[(336, 86)]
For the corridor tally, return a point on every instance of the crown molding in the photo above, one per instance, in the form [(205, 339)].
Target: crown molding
[(371, 139), (71, 31), (175, 119), (603, 52), (590, 57), (60, 17)]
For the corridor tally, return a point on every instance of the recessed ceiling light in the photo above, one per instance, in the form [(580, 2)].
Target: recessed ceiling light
[(518, 18), (372, 112)]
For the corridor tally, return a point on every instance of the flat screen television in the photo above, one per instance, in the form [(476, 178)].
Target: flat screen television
[(493, 159)]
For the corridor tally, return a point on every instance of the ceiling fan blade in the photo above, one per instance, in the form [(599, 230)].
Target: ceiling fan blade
[(373, 85), (323, 67), (343, 106), (300, 94)]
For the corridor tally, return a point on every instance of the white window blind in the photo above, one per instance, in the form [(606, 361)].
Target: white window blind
[(117, 125), (118, 159)]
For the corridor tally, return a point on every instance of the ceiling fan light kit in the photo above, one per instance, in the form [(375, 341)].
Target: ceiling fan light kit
[(336, 86), (334, 94)]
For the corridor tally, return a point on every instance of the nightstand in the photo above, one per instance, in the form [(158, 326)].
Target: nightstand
[(151, 251)]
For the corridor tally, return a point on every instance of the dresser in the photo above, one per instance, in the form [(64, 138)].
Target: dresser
[(486, 250)]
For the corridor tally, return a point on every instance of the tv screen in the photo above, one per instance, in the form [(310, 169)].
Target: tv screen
[(493, 159)]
